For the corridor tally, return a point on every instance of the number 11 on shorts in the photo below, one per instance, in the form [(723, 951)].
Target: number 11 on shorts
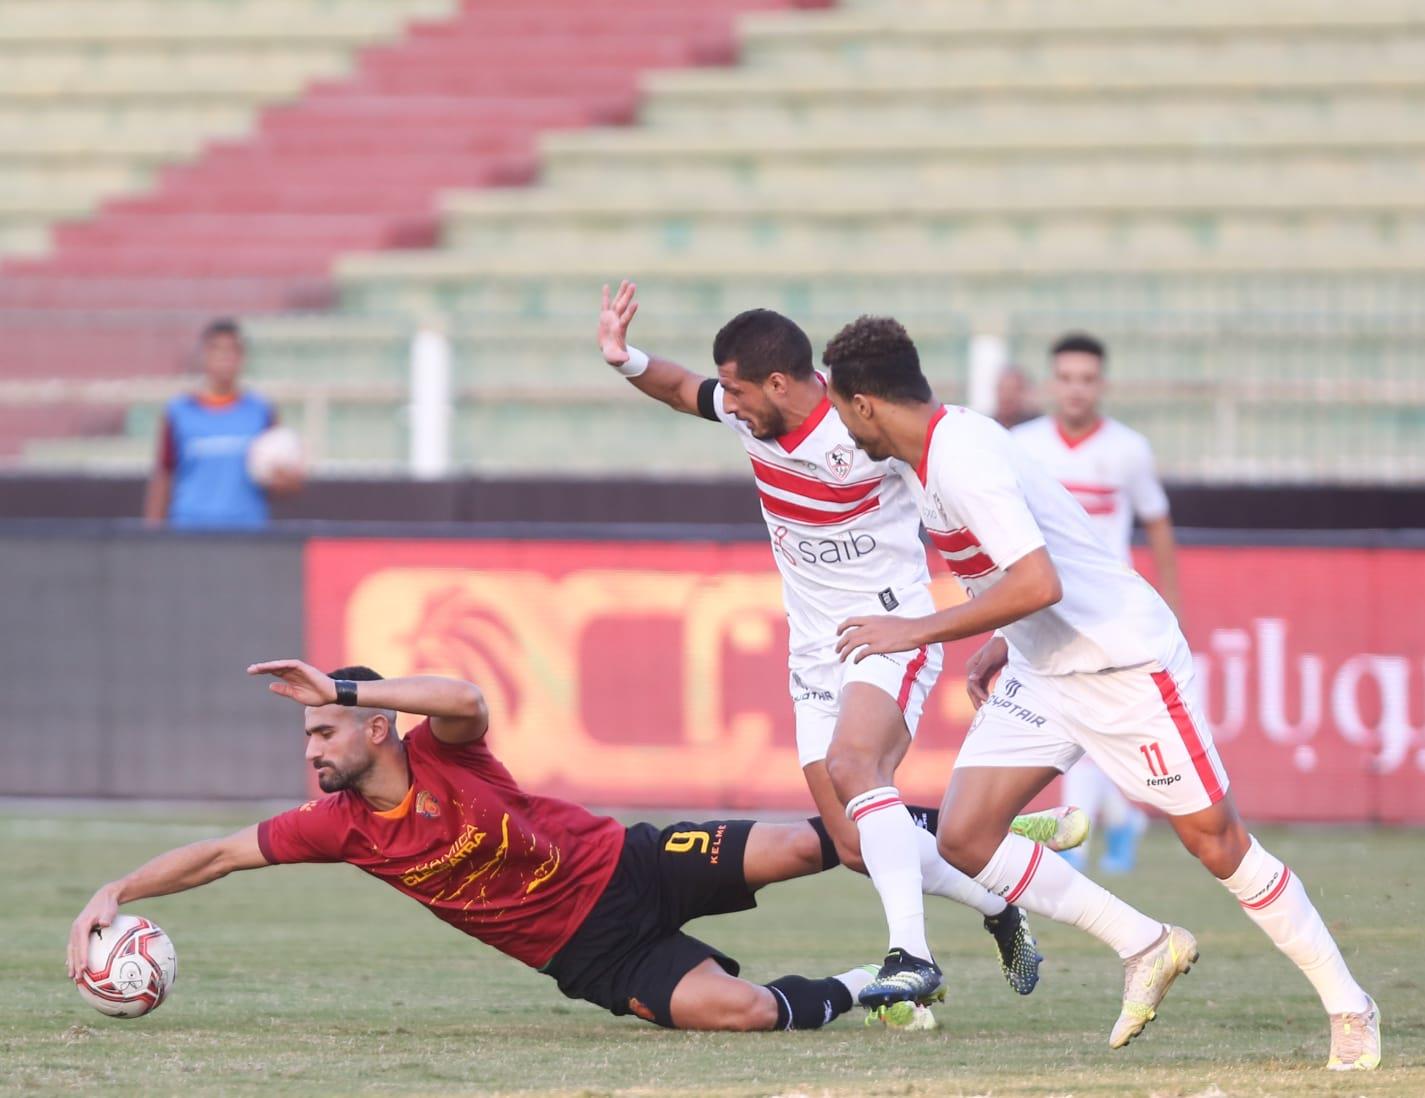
[(1153, 756)]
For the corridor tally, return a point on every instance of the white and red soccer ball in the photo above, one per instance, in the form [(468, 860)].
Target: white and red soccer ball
[(277, 450), (129, 969)]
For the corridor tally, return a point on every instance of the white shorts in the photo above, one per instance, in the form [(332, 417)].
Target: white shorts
[(1138, 723), (816, 686)]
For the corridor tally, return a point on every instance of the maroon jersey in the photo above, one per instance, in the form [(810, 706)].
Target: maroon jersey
[(517, 871)]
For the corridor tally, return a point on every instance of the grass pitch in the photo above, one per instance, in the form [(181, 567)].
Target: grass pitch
[(317, 980)]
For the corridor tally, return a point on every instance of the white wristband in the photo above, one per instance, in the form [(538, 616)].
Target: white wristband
[(636, 364)]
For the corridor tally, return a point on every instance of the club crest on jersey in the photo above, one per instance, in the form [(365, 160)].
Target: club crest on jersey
[(427, 805), (838, 460)]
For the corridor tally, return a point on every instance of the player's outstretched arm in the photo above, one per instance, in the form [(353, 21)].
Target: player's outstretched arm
[(661, 379), (1029, 584), (456, 708), (178, 870)]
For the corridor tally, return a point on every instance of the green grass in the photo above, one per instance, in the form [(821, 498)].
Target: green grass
[(315, 979)]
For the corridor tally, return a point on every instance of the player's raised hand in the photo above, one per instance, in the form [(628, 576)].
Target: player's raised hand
[(614, 318), (101, 910), (301, 682), (858, 638), (984, 665)]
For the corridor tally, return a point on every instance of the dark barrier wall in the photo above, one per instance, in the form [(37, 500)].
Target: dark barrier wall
[(124, 658), (714, 500)]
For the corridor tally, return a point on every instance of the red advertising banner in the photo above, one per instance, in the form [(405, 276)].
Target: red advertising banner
[(653, 674)]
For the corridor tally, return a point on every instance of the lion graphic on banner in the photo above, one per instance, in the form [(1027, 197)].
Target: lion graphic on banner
[(456, 634)]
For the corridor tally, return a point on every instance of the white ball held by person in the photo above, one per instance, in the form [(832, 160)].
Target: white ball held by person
[(275, 452)]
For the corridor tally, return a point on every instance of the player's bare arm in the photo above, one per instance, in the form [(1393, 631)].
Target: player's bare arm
[(457, 708), (158, 494), (1164, 547), (663, 380), (980, 671), (178, 870), (1029, 584)]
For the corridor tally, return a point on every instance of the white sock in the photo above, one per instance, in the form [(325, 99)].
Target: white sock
[(1040, 881), (891, 854), (854, 981), (939, 878), (1274, 898)]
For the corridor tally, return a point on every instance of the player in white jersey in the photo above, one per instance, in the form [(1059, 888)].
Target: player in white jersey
[(1093, 662), (1108, 467), (1105, 465), (846, 539)]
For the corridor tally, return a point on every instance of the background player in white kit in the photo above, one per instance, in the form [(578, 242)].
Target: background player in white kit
[(1093, 661), (846, 539), (1108, 467)]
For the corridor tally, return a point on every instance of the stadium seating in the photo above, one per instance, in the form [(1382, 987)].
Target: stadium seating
[(100, 97), (1202, 186), (324, 126), (96, 97), (1227, 191)]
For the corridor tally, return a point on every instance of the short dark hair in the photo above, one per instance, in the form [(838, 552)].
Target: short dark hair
[(222, 326), (1080, 343), (355, 673), (763, 343), (874, 355)]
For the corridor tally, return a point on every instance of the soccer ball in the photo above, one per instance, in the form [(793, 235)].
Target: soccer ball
[(277, 449), (130, 967)]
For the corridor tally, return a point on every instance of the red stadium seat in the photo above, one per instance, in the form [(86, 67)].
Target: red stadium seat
[(355, 164)]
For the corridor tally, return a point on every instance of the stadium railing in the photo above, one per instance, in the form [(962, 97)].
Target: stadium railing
[(1223, 399)]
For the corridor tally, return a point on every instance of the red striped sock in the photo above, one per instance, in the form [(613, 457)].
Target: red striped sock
[(1274, 898), (891, 852), (1040, 881)]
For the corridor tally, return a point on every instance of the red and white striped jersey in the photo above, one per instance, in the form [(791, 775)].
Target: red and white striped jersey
[(987, 504), (1109, 471), (845, 531)]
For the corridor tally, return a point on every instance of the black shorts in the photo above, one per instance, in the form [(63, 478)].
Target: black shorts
[(630, 953)]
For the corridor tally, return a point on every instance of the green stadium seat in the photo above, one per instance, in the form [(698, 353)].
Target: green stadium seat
[(1228, 191)]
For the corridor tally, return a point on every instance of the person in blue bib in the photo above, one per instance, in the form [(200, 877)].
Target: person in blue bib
[(201, 479)]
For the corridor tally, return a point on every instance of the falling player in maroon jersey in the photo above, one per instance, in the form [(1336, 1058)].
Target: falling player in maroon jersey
[(595, 905)]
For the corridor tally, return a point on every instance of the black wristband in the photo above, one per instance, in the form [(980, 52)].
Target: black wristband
[(345, 692)]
